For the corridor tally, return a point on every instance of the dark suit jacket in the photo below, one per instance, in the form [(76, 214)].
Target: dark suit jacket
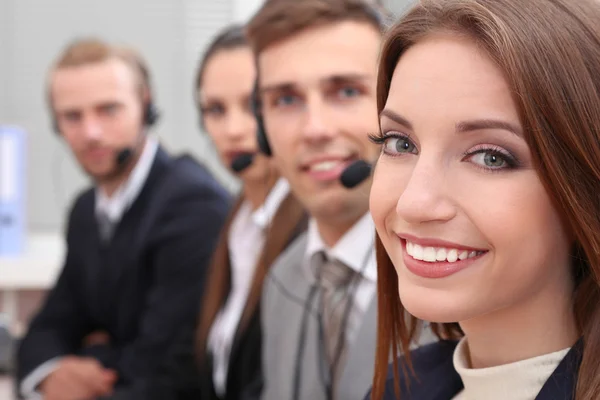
[(142, 286), (181, 377), (436, 379)]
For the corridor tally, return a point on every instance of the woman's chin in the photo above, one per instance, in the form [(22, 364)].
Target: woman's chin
[(434, 309), (430, 315)]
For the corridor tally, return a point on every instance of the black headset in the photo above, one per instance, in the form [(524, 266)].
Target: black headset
[(377, 13), (150, 117), (150, 114), (261, 134)]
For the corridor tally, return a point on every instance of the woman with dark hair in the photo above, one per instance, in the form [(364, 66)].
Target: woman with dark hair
[(485, 200), (220, 358)]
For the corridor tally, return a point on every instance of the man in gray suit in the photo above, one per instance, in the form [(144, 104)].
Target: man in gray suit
[(317, 69)]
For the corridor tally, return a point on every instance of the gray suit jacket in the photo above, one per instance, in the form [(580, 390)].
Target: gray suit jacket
[(284, 300), (286, 291)]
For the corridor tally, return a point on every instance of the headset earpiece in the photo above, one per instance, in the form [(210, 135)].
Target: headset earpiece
[(261, 134), (263, 141), (151, 114)]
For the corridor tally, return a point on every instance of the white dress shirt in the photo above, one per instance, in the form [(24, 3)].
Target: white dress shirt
[(246, 240), (356, 250), (113, 207)]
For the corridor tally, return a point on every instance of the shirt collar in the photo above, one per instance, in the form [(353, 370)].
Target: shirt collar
[(115, 206), (526, 377), (355, 248), (264, 214)]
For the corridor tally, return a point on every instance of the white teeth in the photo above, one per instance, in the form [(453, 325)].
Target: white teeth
[(433, 254), (417, 252), (429, 254), (452, 255), (324, 166), (441, 254)]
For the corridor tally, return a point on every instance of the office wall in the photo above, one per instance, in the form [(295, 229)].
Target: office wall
[(170, 34), (398, 6), (244, 9)]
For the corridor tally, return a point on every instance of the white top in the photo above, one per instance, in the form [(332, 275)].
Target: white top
[(114, 207), (521, 380), (356, 250), (245, 242)]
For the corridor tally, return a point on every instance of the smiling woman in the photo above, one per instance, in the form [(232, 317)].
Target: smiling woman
[(486, 225)]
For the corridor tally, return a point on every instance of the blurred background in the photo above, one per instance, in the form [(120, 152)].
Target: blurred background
[(171, 35)]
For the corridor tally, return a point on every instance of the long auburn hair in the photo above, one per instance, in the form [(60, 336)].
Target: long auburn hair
[(549, 51), (288, 222)]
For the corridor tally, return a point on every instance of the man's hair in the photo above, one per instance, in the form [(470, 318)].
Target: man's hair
[(280, 19), (91, 51)]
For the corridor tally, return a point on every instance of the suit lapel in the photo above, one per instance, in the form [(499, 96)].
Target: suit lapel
[(357, 375), (282, 352), (287, 224), (217, 285), (436, 378), (90, 255), (443, 382), (446, 381), (561, 384), (148, 198)]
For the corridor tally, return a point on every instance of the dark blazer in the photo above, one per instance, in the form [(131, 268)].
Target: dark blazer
[(436, 379), (142, 286), (181, 377)]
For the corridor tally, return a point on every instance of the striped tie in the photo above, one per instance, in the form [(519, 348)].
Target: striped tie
[(334, 279)]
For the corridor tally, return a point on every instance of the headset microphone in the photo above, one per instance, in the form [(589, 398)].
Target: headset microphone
[(241, 162), (123, 156), (126, 154), (355, 174)]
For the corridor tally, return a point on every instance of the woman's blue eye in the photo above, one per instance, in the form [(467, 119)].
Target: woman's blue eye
[(394, 144), (492, 158), (398, 145)]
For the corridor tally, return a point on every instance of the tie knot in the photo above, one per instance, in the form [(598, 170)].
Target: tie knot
[(105, 225), (102, 217), (333, 274)]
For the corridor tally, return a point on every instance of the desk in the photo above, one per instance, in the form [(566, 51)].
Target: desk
[(37, 268)]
